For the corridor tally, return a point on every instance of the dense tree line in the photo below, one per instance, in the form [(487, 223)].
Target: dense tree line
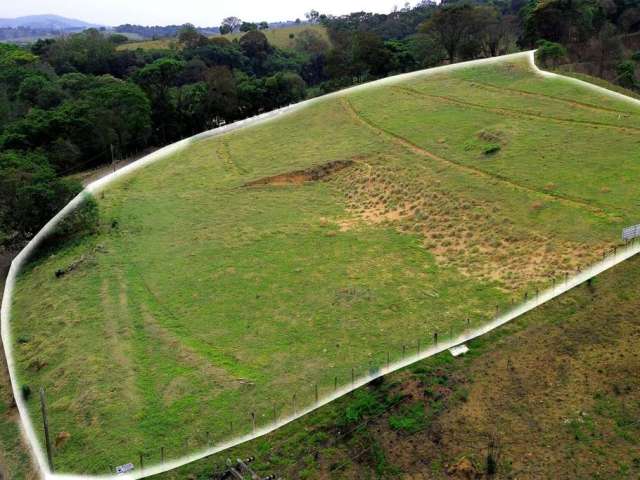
[(157, 31), (70, 103), (596, 37), (21, 33)]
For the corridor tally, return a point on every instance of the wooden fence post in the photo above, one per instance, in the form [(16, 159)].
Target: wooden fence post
[(45, 421)]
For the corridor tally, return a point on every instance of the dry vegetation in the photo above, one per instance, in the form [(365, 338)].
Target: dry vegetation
[(478, 239)]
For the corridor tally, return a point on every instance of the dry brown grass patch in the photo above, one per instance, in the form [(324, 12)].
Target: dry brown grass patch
[(476, 238)]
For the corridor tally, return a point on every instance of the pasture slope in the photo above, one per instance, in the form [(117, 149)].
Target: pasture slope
[(553, 394), (238, 277)]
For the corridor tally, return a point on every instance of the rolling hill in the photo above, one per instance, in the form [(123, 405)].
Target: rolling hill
[(46, 22), (279, 37), (252, 272)]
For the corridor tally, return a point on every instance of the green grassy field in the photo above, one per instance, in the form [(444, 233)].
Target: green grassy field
[(553, 391), (201, 300), (278, 37), (14, 455)]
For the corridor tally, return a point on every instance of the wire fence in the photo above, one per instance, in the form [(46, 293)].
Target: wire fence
[(264, 408)]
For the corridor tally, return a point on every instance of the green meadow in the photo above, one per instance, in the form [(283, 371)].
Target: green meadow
[(201, 300)]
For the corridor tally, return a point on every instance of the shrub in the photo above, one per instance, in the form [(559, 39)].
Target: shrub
[(410, 420), (26, 392), (491, 149), (364, 403), (31, 194), (550, 53), (626, 74)]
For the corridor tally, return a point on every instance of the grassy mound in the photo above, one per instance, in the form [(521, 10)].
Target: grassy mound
[(240, 275)]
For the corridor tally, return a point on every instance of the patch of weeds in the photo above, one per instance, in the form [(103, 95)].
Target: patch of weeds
[(82, 221), (409, 420), (581, 429), (364, 403), (307, 472), (460, 395), (626, 423), (437, 466), (382, 466), (491, 149)]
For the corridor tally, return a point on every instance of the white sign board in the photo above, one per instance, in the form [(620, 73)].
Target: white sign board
[(459, 350), (631, 232), (127, 467)]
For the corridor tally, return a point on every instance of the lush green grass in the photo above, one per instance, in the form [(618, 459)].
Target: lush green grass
[(200, 300), (569, 71), (278, 37), (553, 389), (14, 456)]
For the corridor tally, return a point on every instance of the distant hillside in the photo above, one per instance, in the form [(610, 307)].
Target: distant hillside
[(45, 22), (281, 37)]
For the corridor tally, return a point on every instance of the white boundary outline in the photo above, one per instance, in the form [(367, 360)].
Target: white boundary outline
[(27, 427)]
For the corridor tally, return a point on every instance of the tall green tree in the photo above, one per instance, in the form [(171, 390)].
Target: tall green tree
[(450, 27), (156, 79), (31, 194)]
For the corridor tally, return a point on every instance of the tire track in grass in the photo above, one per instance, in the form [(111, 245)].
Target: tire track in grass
[(414, 148), (225, 154), (183, 354), (117, 336), (524, 93), (517, 113)]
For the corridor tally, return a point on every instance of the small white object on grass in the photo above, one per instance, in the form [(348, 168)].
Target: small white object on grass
[(459, 350), (127, 467)]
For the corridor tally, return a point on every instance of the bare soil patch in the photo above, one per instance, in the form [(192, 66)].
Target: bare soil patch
[(299, 177)]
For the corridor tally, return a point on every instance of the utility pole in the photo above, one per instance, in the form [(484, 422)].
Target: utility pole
[(45, 421)]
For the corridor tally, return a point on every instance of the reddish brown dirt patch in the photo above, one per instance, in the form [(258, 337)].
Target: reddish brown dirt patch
[(62, 438), (298, 177)]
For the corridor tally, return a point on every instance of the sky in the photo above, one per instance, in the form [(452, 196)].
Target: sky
[(198, 12)]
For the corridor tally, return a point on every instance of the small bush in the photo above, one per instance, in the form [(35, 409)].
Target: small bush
[(364, 403), (410, 420), (83, 220), (550, 53), (491, 149), (492, 465), (79, 223), (26, 392), (626, 74)]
